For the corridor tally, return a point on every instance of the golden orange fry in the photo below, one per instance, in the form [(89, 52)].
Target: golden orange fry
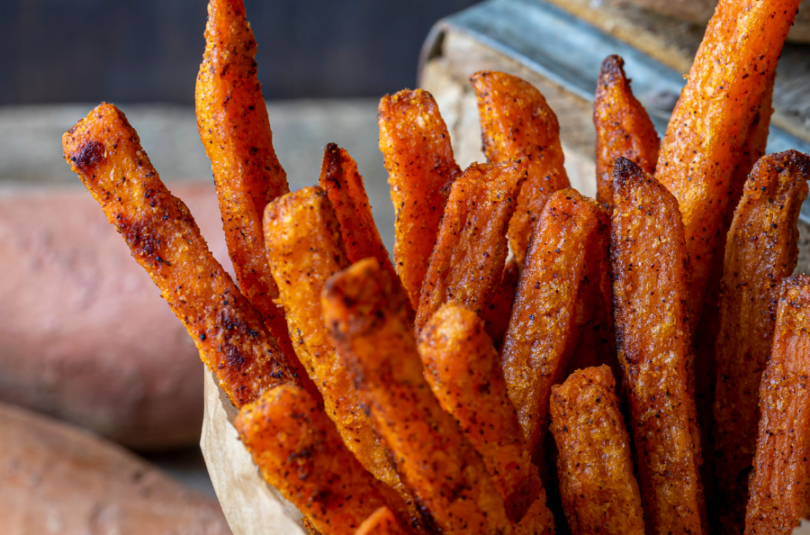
[(297, 451), (595, 465), (623, 128), (381, 522), (421, 168), (649, 297), (105, 151), (496, 315), (780, 487), (762, 249), (516, 122), (467, 262)]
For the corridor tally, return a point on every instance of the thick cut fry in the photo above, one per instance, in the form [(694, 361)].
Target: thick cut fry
[(710, 125), (366, 316), (762, 249), (294, 445), (463, 369), (304, 248), (623, 128), (105, 151), (542, 329), (516, 122), (421, 168), (780, 487), (381, 522), (467, 262), (649, 291), (496, 315), (235, 131), (599, 490)]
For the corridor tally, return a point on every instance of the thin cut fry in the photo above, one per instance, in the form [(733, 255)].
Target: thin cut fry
[(235, 131), (463, 369), (105, 151), (294, 445), (709, 127), (649, 292), (421, 168), (381, 522), (467, 262), (762, 249), (516, 122), (780, 488), (542, 329), (599, 490), (496, 315), (623, 128)]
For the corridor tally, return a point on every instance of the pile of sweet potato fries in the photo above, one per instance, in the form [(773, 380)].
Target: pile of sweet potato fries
[(417, 396)]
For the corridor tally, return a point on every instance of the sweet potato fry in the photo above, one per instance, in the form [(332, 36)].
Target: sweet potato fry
[(496, 315), (516, 122), (105, 152), (381, 522), (463, 369), (365, 314), (599, 490), (709, 127), (467, 262), (235, 131), (623, 128), (297, 451), (649, 291), (762, 249), (542, 329), (304, 247), (780, 487), (421, 168)]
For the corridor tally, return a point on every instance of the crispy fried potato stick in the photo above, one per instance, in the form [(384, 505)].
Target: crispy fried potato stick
[(623, 128), (105, 151), (595, 465), (762, 249), (235, 131), (304, 247), (516, 122), (421, 168), (542, 329), (711, 123), (364, 310), (463, 368), (467, 262), (649, 292), (496, 315), (780, 487), (381, 522), (294, 445)]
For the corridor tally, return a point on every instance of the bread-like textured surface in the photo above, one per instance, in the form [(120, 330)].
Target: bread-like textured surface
[(381, 522), (516, 122), (105, 152), (594, 463), (762, 250), (780, 487), (649, 291), (421, 168)]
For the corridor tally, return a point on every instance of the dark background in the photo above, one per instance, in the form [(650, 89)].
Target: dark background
[(150, 50)]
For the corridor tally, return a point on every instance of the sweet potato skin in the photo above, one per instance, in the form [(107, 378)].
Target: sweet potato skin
[(235, 131), (421, 168), (297, 451), (467, 262), (105, 152), (623, 128), (516, 122), (381, 522), (649, 291), (595, 465), (761, 251)]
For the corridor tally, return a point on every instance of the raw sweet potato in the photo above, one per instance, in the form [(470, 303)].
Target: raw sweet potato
[(649, 291), (381, 522), (594, 462), (105, 152), (421, 168), (496, 315), (295, 447), (467, 262), (623, 128), (516, 122), (762, 249)]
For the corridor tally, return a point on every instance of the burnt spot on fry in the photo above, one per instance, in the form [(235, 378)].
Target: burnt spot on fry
[(88, 155)]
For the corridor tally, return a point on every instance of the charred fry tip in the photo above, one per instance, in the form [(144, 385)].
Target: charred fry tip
[(612, 71), (790, 160)]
